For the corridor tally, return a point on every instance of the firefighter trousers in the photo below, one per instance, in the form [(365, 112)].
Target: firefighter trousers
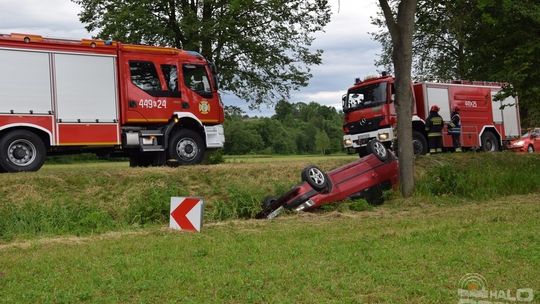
[(435, 144)]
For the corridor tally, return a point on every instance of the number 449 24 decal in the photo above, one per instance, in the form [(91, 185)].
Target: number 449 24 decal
[(153, 104)]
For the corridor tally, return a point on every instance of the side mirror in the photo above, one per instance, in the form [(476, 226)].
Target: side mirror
[(344, 98)]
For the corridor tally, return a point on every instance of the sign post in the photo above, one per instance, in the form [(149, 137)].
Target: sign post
[(186, 213)]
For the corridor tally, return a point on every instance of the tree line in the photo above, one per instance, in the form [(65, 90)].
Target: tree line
[(296, 128)]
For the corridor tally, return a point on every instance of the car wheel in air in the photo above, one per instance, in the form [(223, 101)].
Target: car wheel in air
[(315, 177), (377, 148)]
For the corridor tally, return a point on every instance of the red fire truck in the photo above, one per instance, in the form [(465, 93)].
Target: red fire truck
[(486, 124), (155, 105)]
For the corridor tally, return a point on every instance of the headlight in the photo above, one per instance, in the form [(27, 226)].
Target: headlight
[(519, 143), (347, 142), (383, 136)]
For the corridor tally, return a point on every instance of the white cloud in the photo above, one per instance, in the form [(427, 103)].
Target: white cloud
[(52, 18), (327, 98)]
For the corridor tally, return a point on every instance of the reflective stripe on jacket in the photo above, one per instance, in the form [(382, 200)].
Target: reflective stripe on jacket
[(434, 124)]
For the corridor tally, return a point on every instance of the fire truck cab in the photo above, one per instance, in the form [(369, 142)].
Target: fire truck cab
[(155, 105), (370, 113)]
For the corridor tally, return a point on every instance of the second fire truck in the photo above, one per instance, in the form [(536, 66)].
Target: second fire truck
[(486, 124)]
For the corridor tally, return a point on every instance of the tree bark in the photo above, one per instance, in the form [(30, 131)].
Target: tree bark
[(401, 28)]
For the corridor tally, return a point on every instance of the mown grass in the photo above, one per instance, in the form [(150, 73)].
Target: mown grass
[(98, 197), (381, 256)]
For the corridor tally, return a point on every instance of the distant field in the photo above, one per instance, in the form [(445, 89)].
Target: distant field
[(387, 255), (285, 158)]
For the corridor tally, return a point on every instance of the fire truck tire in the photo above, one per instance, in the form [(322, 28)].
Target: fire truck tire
[(316, 178), (420, 144), (530, 149), (186, 147), (363, 151), (21, 151), (489, 142)]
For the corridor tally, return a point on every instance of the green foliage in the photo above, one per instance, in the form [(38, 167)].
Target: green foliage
[(95, 198), (215, 157), (488, 40), (262, 48), (322, 142), (481, 176), (295, 128), (246, 204)]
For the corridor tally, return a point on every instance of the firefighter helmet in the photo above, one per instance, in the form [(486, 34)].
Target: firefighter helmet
[(435, 108)]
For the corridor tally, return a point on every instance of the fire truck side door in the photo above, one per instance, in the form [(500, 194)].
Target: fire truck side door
[(152, 90), (197, 90)]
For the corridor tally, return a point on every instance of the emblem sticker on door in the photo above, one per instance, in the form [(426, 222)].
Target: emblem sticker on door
[(204, 107)]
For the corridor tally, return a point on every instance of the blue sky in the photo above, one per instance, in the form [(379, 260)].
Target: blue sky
[(349, 51)]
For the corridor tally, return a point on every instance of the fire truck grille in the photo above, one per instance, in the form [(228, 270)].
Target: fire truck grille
[(364, 125)]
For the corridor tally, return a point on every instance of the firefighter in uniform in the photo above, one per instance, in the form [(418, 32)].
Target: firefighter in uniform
[(454, 128), (434, 126)]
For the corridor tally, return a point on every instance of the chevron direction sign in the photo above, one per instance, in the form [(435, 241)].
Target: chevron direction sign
[(186, 213)]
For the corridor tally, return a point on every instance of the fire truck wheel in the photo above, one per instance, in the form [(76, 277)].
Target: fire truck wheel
[(377, 148), (489, 142), (420, 145), (316, 178), (187, 147), (21, 150), (530, 149), (363, 151)]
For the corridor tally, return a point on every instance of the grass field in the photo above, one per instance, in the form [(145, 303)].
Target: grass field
[(95, 232), (414, 255)]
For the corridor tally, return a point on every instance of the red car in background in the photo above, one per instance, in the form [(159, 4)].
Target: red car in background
[(365, 178), (529, 142)]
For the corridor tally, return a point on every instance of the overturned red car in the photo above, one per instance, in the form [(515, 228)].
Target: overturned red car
[(365, 178)]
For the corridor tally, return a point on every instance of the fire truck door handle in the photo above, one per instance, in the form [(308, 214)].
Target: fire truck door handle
[(132, 104)]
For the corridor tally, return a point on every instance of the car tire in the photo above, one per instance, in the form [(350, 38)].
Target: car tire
[(316, 178), (186, 147), (489, 142), (21, 151), (374, 196), (267, 202), (530, 149), (378, 149)]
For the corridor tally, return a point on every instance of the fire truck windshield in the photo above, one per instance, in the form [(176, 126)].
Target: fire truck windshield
[(365, 97)]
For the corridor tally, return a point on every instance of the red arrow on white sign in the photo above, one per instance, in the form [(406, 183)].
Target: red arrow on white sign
[(186, 213)]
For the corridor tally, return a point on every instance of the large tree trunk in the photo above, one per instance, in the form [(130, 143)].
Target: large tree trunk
[(401, 31)]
